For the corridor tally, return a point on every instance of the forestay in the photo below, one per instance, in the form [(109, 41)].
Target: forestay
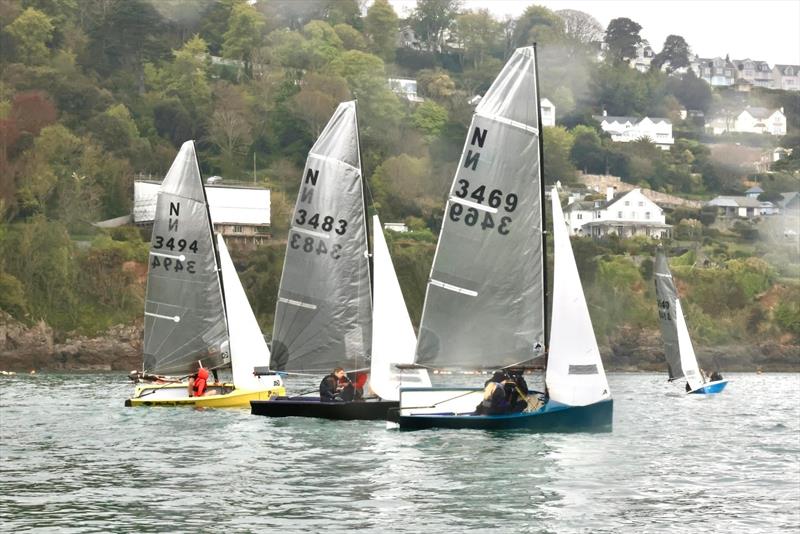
[(678, 349), (323, 314), (184, 319), (248, 348), (575, 375), (484, 305), (393, 338)]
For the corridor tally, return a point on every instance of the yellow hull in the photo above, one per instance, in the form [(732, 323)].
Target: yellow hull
[(171, 395)]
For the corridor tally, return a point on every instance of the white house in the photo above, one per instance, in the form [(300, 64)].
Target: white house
[(626, 129), (786, 77), (625, 214), (749, 120), (736, 206), (757, 73), (548, 110), (241, 214), (644, 56), (396, 227), (716, 71), (406, 88)]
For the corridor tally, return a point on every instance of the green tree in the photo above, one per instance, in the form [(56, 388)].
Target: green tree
[(351, 38), (323, 43), (479, 33), (229, 129), (431, 18), (587, 152), (430, 117), (538, 25), (675, 54), (31, 31), (318, 97), (622, 36), (557, 147), (381, 28), (245, 25)]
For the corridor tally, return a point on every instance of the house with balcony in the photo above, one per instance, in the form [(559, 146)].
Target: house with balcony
[(786, 77), (753, 72), (625, 215), (626, 129), (716, 71), (240, 213)]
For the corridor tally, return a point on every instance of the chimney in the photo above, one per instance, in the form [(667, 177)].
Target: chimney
[(609, 193)]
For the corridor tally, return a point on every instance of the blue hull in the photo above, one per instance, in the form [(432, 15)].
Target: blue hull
[(554, 417), (711, 387)]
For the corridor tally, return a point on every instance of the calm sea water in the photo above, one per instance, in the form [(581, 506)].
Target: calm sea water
[(73, 459)]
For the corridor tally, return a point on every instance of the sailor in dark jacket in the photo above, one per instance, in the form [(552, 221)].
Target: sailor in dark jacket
[(329, 387)]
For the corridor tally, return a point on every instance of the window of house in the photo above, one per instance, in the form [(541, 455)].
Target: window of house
[(647, 215), (580, 215), (237, 229), (641, 203), (597, 215), (627, 203), (619, 215)]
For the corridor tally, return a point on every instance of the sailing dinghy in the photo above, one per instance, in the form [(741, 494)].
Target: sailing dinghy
[(485, 300), (196, 310), (324, 316), (678, 349)]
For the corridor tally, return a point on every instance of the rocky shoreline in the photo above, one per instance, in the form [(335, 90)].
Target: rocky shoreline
[(37, 348)]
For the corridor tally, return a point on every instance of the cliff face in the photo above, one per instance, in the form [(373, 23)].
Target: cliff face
[(24, 348), (642, 349)]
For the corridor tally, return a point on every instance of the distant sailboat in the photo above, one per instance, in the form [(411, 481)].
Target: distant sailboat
[(324, 316), (678, 349), (485, 301), (190, 320)]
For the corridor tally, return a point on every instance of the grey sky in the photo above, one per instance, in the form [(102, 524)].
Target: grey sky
[(767, 30)]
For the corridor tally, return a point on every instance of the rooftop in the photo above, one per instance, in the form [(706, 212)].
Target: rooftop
[(228, 205)]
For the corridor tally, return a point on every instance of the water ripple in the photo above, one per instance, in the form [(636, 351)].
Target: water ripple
[(73, 459)]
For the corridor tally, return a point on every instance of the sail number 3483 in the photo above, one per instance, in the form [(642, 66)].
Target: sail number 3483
[(495, 199)]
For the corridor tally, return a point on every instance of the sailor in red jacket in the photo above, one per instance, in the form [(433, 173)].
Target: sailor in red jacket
[(198, 383)]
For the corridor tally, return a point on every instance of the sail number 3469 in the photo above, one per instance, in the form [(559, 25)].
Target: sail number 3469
[(494, 200)]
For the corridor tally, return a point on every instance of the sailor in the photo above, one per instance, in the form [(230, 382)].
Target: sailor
[(198, 383), (332, 386), (494, 396), (715, 375)]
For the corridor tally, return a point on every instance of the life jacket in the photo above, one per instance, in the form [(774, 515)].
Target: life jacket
[(200, 383)]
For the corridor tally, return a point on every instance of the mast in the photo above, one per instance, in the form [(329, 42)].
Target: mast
[(541, 188), (370, 247)]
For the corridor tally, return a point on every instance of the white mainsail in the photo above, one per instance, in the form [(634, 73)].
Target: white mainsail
[(247, 346), (393, 338), (575, 375)]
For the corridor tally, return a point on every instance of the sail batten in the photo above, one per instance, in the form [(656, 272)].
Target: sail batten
[(484, 307), (323, 315), (183, 278)]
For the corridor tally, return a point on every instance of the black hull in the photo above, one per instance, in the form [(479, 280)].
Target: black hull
[(596, 417), (364, 410)]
